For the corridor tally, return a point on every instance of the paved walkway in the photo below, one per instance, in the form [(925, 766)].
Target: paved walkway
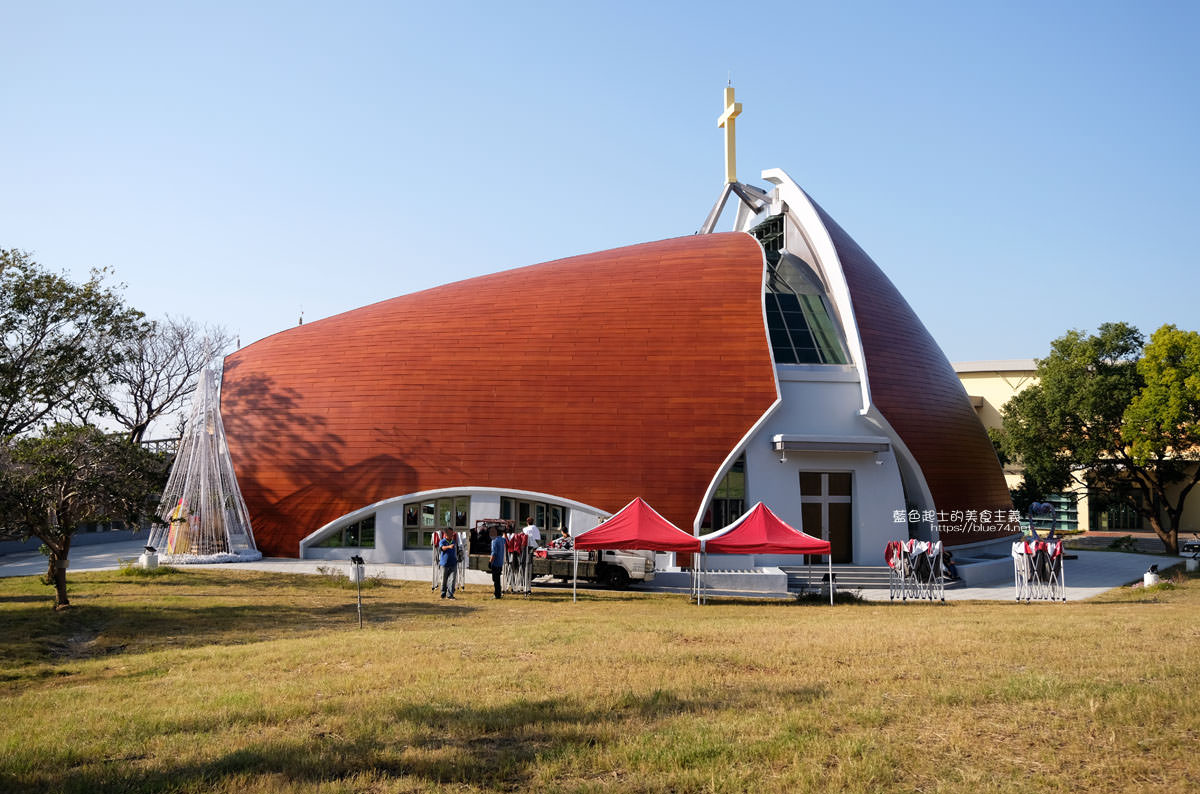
[(96, 557), (1092, 573)]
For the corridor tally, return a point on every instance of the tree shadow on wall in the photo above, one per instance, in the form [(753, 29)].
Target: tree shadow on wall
[(429, 455), (294, 468)]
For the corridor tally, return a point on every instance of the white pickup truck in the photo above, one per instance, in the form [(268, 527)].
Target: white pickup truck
[(615, 568)]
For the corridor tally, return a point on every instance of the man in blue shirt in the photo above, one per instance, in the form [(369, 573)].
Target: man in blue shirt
[(449, 562), (496, 561)]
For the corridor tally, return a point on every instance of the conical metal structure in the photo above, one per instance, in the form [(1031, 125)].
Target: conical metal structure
[(202, 505)]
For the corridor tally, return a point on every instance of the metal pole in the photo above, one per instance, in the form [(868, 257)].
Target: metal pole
[(357, 562), (696, 578), (831, 577)]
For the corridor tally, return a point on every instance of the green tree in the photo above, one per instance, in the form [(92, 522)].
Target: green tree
[(70, 474), (1103, 411), (1162, 423), (59, 344)]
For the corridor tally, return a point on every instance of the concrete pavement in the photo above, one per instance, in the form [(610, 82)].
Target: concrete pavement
[(1092, 573)]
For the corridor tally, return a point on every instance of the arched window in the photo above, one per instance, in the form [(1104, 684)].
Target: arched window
[(799, 319), (359, 535), (729, 500)]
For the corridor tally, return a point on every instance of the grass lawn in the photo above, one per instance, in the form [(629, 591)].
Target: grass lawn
[(231, 681)]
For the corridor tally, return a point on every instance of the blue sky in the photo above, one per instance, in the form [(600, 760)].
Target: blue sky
[(1017, 169)]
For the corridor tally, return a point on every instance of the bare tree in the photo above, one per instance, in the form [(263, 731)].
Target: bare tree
[(159, 370)]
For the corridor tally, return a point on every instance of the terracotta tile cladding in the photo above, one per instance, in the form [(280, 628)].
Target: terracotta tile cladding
[(916, 389), (597, 378)]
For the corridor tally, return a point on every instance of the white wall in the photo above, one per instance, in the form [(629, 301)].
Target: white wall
[(823, 401), (389, 523)]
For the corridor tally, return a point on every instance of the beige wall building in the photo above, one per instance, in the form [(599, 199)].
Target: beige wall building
[(991, 384)]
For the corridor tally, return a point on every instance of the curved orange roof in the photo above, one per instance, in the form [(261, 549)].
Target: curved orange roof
[(602, 377), (916, 389)]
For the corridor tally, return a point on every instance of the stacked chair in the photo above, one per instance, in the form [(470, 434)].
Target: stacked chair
[(1038, 570), (915, 570)]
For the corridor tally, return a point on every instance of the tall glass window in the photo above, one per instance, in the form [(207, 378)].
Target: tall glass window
[(729, 500), (799, 317), (1066, 514), (1116, 510)]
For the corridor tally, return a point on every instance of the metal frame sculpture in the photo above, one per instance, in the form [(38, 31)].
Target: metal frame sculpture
[(206, 517)]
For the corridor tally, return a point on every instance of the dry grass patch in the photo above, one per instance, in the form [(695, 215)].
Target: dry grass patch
[(236, 681)]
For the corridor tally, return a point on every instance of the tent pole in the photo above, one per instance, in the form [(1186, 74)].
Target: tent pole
[(831, 577), (695, 562), (575, 574)]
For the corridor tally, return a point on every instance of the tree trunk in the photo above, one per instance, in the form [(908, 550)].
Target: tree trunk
[(58, 573), (137, 432), (60, 589), (1168, 535)]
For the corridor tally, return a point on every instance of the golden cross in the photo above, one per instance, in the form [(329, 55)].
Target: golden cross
[(732, 110)]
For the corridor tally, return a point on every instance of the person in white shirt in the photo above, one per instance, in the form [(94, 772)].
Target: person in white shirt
[(533, 533)]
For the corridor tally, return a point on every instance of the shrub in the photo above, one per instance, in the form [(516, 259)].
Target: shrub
[(336, 577), (1124, 543), (133, 569)]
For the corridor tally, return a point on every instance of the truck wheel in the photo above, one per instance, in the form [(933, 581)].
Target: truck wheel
[(618, 577)]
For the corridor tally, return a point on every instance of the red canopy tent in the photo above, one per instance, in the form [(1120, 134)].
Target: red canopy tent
[(760, 531), (637, 525)]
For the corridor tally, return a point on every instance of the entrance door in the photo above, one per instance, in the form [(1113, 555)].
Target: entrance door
[(826, 504), (812, 514), (841, 533)]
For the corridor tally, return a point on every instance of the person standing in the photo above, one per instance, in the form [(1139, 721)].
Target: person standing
[(437, 558), (449, 562), (533, 534), (496, 560)]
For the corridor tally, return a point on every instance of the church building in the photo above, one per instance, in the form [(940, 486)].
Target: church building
[(772, 363)]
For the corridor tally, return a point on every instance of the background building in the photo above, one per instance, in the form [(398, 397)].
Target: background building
[(990, 385)]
